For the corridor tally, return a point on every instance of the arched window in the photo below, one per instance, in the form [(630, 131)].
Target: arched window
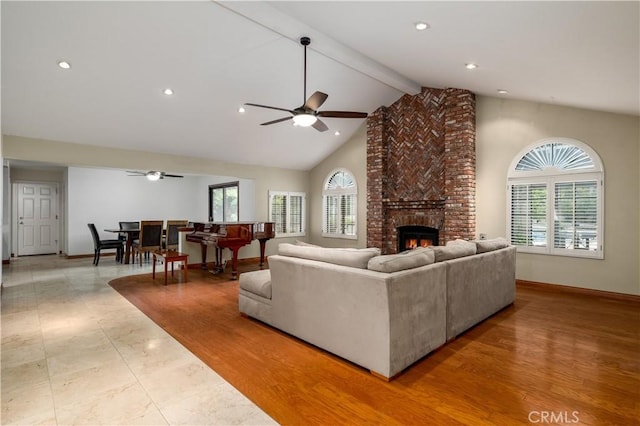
[(339, 205), (556, 199)]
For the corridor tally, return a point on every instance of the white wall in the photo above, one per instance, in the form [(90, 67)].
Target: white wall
[(504, 127), (105, 197), (353, 157), (262, 178)]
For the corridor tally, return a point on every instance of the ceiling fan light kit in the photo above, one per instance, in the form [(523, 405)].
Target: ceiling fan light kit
[(304, 120), (154, 176), (307, 114)]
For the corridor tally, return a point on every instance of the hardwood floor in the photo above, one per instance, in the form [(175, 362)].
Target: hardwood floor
[(552, 357)]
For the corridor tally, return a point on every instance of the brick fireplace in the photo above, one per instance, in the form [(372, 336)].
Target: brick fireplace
[(421, 167)]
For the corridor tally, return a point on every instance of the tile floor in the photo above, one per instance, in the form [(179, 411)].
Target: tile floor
[(76, 352)]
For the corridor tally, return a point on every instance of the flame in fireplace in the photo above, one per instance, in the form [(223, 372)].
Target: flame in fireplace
[(412, 243)]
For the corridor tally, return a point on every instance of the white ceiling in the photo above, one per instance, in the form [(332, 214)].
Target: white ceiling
[(217, 56)]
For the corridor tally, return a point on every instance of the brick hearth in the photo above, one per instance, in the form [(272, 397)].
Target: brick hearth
[(421, 166)]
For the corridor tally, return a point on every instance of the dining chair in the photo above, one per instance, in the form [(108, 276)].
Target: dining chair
[(99, 245), (150, 238), (127, 237), (128, 225), (172, 236)]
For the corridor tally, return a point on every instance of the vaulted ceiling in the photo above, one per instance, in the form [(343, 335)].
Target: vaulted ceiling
[(216, 56)]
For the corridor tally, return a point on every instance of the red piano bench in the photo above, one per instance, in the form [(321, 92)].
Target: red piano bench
[(170, 256)]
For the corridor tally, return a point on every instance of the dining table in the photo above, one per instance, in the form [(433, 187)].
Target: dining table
[(132, 233)]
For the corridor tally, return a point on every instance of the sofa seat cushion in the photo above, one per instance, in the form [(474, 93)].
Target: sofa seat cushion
[(353, 257), (454, 249), (399, 262), (257, 282), (483, 246)]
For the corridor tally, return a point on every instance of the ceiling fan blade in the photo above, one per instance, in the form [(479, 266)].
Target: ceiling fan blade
[(342, 114), (270, 107), (315, 101), (279, 120), (175, 176), (320, 126)]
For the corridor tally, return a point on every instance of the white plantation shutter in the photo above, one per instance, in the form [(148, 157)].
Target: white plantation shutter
[(340, 198), (576, 212), (348, 212), (556, 200), (562, 156), (296, 214), (529, 215), (287, 210), (279, 212), (331, 214)]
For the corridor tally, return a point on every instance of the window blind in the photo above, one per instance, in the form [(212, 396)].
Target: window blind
[(575, 215), (528, 215), (287, 211), (340, 205)]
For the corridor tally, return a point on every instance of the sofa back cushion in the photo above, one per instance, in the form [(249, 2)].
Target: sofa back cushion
[(302, 243), (483, 246), (454, 249), (356, 258), (399, 262)]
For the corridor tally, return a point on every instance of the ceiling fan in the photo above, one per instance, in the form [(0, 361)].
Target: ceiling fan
[(307, 114), (152, 175)]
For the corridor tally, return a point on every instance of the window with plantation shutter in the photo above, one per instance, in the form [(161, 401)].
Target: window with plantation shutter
[(287, 211), (556, 199), (339, 207)]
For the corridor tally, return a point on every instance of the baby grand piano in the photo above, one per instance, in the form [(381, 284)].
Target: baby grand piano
[(232, 236)]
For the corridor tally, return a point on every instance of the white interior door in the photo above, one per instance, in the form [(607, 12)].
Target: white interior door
[(37, 219)]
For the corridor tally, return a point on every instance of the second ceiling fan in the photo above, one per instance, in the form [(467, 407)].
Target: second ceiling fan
[(307, 114), (152, 175)]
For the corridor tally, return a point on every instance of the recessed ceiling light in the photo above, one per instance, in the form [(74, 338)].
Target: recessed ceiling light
[(241, 110), (168, 91), (471, 66), (503, 91), (337, 133), (64, 65), (421, 26)]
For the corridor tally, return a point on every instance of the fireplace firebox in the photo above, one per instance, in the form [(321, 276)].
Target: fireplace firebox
[(412, 236)]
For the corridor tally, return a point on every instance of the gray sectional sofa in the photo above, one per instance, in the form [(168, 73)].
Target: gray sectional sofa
[(382, 312)]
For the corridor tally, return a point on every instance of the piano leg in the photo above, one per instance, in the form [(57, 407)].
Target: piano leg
[(203, 253), (234, 262), (263, 243), (219, 266)]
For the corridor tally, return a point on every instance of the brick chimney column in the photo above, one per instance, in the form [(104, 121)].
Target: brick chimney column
[(460, 165), (376, 172)]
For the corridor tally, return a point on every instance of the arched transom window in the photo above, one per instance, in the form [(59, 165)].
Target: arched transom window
[(556, 199), (339, 205)]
